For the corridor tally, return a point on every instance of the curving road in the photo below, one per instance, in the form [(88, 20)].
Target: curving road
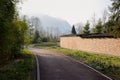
[(54, 66)]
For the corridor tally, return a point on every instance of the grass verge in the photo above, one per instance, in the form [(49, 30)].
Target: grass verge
[(19, 69), (109, 65)]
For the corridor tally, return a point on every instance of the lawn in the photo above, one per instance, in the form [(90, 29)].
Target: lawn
[(107, 64), (18, 69)]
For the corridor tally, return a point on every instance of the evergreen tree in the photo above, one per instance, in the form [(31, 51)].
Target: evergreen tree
[(115, 18), (98, 28), (115, 10), (86, 29), (116, 30), (73, 30), (108, 26)]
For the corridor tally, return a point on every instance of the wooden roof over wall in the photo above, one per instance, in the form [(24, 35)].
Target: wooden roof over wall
[(92, 35)]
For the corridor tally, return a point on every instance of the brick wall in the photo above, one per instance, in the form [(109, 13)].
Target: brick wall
[(99, 45)]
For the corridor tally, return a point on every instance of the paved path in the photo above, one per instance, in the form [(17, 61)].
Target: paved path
[(54, 66)]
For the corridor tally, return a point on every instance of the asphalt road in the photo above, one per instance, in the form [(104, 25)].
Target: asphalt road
[(54, 66)]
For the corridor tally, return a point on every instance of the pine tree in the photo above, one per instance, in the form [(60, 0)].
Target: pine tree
[(98, 28), (115, 18), (73, 30), (86, 29), (115, 10)]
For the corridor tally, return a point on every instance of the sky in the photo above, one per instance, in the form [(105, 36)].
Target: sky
[(73, 11)]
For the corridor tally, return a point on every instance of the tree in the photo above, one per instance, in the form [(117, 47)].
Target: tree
[(36, 37), (98, 27), (116, 30), (20, 36), (13, 31), (73, 30), (86, 28), (115, 18), (93, 20), (115, 10), (79, 28), (108, 26), (35, 21), (7, 12), (104, 16)]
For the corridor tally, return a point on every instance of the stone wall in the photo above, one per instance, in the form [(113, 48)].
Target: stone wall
[(100, 45)]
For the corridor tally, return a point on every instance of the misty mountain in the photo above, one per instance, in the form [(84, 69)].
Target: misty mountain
[(48, 22)]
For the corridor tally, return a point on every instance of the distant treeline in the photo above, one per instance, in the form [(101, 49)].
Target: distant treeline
[(38, 33)]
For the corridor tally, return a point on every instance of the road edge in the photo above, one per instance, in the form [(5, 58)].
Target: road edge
[(38, 69), (88, 66)]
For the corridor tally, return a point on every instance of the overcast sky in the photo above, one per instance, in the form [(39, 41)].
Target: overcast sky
[(73, 11)]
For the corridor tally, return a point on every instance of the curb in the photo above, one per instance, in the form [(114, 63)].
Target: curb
[(87, 66), (38, 70)]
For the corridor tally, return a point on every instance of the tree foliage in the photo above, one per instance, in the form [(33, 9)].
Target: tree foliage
[(108, 26), (98, 27), (13, 31), (116, 30), (115, 10), (36, 37), (86, 28), (73, 30), (115, 18)]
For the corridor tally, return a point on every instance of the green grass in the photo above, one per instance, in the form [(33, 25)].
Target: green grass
[(107, 64), (19, 69)]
